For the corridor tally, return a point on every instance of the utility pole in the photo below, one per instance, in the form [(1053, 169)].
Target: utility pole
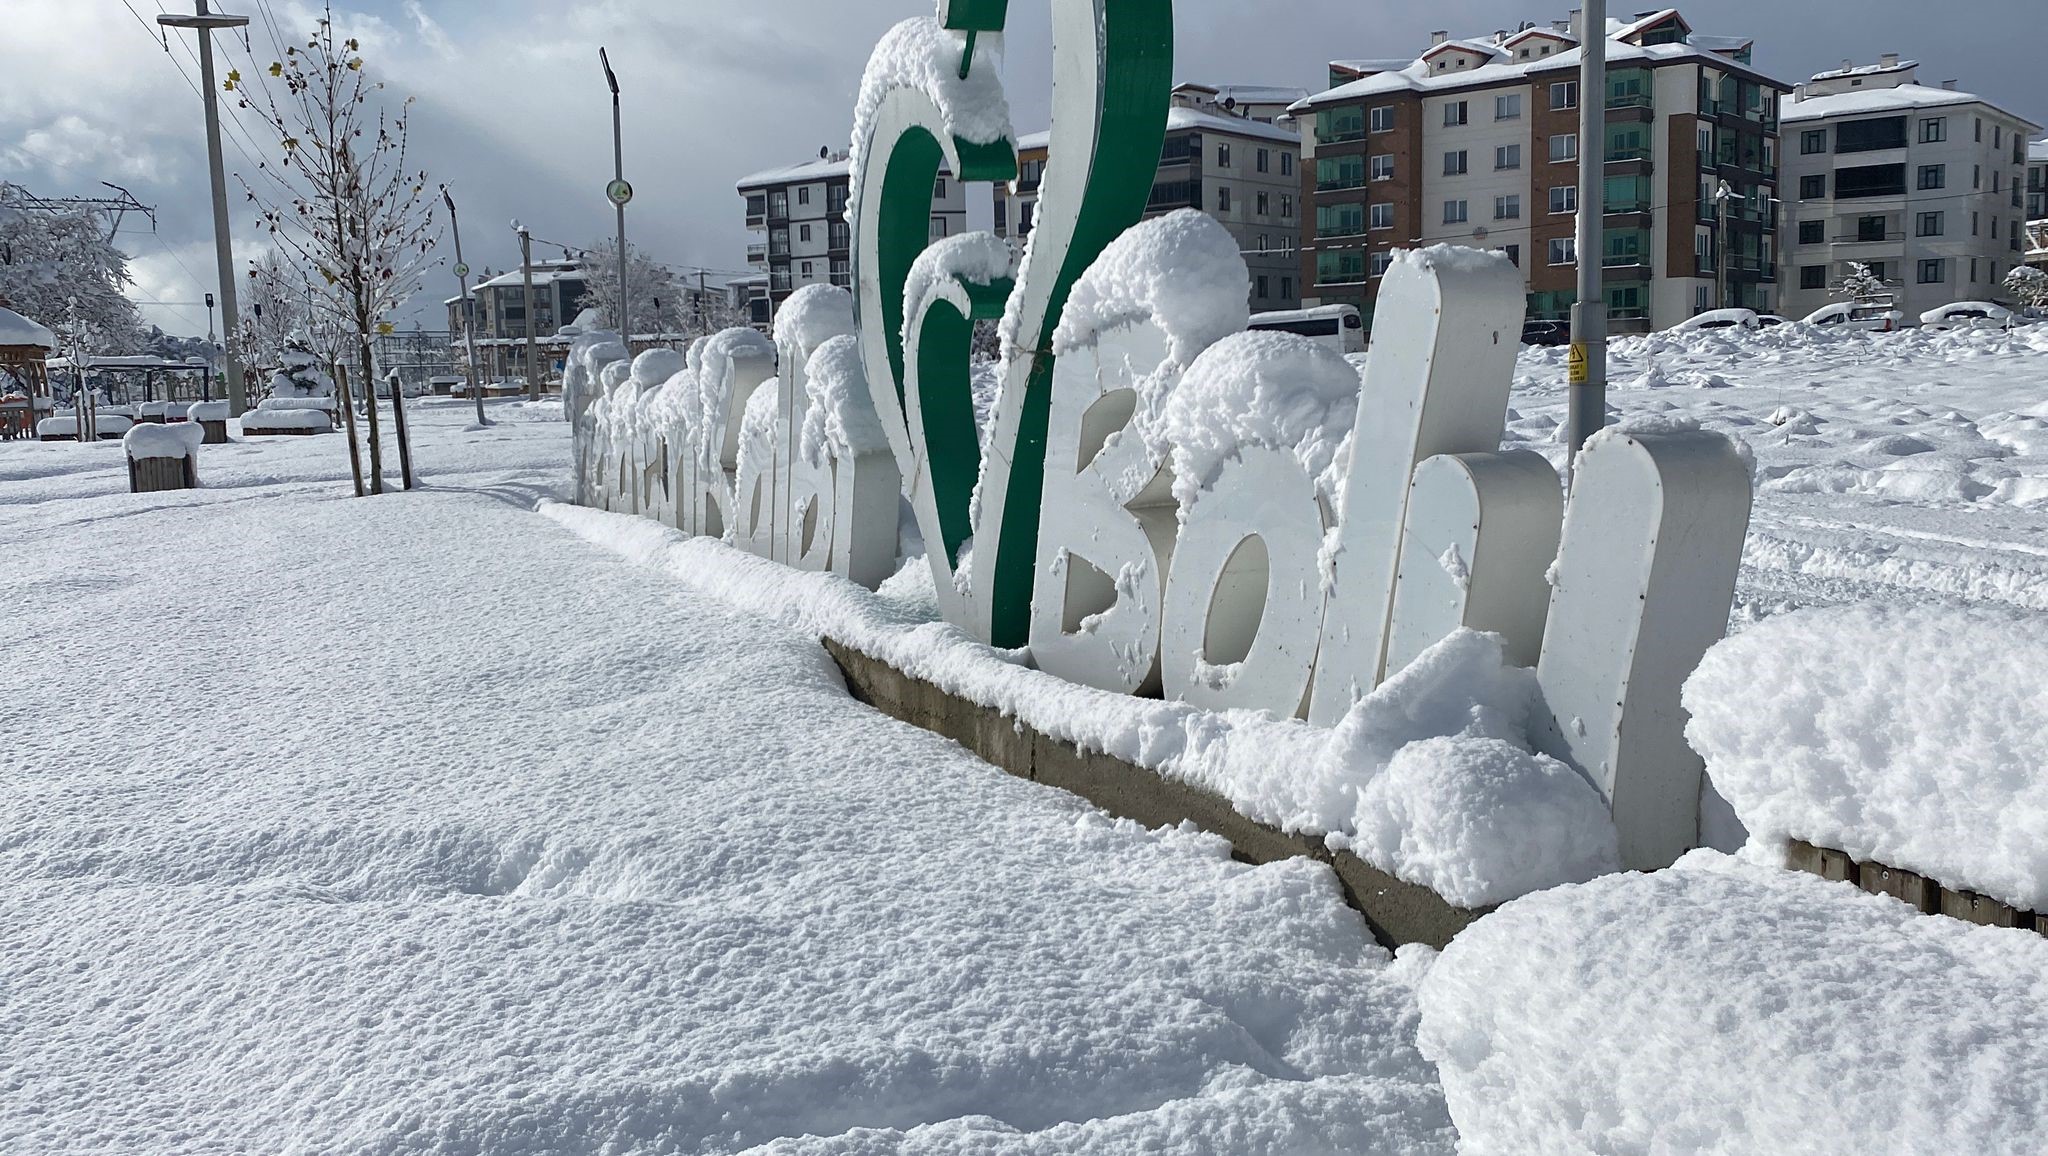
[(1587, 393), (206, 23), (468, 309), (206, 392), (532, 344), (619, 193), (1723, 193)]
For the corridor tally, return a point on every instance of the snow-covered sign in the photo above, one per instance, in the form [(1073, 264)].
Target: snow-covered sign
[(1160, 502)]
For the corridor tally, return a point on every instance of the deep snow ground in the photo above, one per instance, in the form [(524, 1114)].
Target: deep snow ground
[(416, 825)]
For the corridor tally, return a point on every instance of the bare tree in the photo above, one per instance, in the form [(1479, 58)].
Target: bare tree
[(657, 304), (274, 313), (357, 217), (2028, 286)]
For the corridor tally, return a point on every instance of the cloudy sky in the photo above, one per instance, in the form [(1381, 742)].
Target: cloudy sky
[(513, 113)]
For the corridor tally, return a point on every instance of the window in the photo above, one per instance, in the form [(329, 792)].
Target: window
[(1265, 288), (1933, 176), (842, 272), (1870, 228), (803, 195), (1564, 251), (1973, 270), (1381, 262), (1286, 164), (1933, 129), (1813, 188), (1863, 136), (1286, 206), (1383, 168), (1454, 212), (1973, 222), (1564, 147), (841, 235), (803, 233), (1514, 253), (1334, 125), (1340, 220), (1976, 176), (757, 205), (1564, 199), (1700, 299), (1928, 225), (1340, 172), (1870, 181), (807, 271), (1813, 276), (1263, 207), (778, 205), (1286, 286), (1932, 273), (2013, 240), (1383, 119), (1223, 156), (1813, 232), (1997, 136), (1454, 163), (835, 198), (1564, 94), (1340, 267), (1507, 156), (1264, 245), (1507, 107), (1508, 208), (938, 228), (1813, 140), (1455, 113), (939, 189), (1263, 161), (1382, 216), (1222, 198), (1877, 269)]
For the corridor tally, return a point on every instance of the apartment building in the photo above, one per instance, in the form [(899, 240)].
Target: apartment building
[(498, 307), (1924, 184), (799, 215), (1476, 142), (1223, 155)]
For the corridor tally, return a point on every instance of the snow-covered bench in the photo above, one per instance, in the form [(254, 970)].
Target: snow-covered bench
[(286, 422)]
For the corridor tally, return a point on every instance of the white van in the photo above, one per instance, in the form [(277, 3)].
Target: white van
[(1337, 326), (1970, 315)]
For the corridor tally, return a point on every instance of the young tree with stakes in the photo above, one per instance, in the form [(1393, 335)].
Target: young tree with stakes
[(359, 218)]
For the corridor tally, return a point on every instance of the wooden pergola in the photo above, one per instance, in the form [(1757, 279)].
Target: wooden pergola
[(25, 349)]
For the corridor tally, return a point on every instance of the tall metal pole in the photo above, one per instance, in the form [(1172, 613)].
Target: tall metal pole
[(205, 23), (1587, 394), (468, 315), (532, 343), (620, 194)]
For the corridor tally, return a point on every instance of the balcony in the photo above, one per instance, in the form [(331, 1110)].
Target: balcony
[(1862, 237), (1624, 154), (1339, 184), (757, 254), (1634, 108), (1629, 207), (1619, 267)]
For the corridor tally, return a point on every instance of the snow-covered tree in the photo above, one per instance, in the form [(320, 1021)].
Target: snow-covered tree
[(52, 256), (2028, 286), (657, 298), (1860, 282), (355, 214), (274, 315)]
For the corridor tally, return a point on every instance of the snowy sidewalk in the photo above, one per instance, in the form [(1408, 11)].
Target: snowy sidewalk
[(416, 824)]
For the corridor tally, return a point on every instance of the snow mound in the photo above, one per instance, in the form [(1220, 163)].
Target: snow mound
[(1277, 390), (1481, 821), (654, 367), (812, 316), (1715, 1007), (207, 411), (175, 442), (1905, 735), (920, 54), (839, 417), (1182, 271)]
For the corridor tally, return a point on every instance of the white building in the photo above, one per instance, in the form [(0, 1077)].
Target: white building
[(1924, 184), (799, 215)]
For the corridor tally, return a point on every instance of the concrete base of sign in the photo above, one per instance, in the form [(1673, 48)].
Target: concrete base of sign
[(1397, 912)]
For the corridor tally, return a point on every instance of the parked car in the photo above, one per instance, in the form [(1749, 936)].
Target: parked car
[(1546, 333), (1870, 316), (1970, 315), (1767, 320), (1720, 319)]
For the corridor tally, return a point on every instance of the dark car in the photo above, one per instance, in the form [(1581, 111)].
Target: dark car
[(1546, 333)]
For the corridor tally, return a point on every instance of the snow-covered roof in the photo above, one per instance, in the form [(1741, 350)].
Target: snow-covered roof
[(2037, 151), (1249, 93), (1645, 22), (1389, 64), (1900, 98), (1848, 71), (818, 170), (18, 330), (546, 274), (1419, 76), (1195, 118)]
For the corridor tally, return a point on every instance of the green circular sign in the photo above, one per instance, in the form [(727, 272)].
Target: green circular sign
[(618, 192), (462, 270)]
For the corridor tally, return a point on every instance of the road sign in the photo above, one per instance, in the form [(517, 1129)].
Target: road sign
[(619, 192), (461, 270), (1579, 364)]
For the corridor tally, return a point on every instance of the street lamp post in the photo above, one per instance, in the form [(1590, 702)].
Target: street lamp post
[(206, 23), (468, 318), (620, 194), (1587, 393), (206, 390), (532, 343)]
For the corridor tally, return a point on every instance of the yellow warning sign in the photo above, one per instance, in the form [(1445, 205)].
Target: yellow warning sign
[(1579, 365)]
